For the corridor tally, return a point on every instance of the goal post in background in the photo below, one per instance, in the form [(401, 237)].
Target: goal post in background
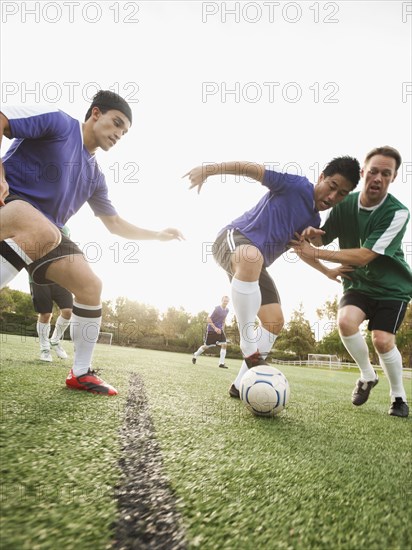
[(105, 338), (323, 359)]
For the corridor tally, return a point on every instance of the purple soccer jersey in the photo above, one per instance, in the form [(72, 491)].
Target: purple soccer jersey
[(218, 317), (48, 165), (288, 207)]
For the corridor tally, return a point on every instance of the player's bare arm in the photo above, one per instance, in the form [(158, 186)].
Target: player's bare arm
[(312, 234), (247, 169), (358, 257), (4, 186), (122, 228)]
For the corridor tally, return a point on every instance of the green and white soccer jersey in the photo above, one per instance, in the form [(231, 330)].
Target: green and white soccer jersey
[(381, 230)]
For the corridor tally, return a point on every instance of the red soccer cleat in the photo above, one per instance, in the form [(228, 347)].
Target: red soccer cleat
[(89, 382)]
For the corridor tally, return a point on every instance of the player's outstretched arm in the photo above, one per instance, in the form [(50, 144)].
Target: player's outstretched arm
[(127, 230), (199, 175), (312, 234), (4, 186)]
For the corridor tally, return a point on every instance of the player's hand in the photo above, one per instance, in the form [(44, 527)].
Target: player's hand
[(340, 271), (170, 234), (310, 233), (218, 331), (197, 177), (4, 191), (303, 248)]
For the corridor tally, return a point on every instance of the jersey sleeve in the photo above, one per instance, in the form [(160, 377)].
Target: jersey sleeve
[(386, 237), (36, 122), (99, 202), (278, 182)]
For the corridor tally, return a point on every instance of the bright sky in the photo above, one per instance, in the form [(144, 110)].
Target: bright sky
[(288, 84)]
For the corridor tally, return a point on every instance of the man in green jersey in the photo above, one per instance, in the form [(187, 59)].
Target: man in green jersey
[(370, 225)]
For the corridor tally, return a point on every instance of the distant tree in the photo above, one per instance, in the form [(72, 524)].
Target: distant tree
[(404, 338), (174, 323), (6, 302), (297, 336), (17, 302), (132, 320), (196, 330)]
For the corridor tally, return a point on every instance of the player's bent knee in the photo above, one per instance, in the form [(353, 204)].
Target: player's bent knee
[(346, 326), (383, 342)]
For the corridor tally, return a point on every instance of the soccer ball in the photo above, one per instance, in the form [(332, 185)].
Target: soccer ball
[(264, 390)]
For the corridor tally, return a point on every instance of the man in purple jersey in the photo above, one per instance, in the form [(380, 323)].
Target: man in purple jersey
[(252, 242), (215, 333), (48, 173)]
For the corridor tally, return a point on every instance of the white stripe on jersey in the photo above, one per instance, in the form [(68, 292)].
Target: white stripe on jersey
[(387, 237), (25, 111), (230, 240)]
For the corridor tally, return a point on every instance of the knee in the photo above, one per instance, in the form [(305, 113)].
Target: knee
[(66, 313), (92, 286), (382, 341), (45, 317), (346, 326)]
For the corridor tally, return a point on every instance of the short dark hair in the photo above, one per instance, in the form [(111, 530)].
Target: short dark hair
[(385, 151), (107, 100), (348, 167)]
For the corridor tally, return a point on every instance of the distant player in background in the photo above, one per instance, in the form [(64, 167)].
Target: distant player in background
[(252, 242), (48, 173), (370, 226), (43, 297), (215, 333)]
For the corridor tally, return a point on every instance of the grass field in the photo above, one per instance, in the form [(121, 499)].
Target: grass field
[(321, 475)]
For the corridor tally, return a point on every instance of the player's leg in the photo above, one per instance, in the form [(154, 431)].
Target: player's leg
[(384, 324), (246, 264), (25, 236), (196, 354), (43, 305), (64, 299), (350, 317), (222, 354), (74, 273), (271, 318)]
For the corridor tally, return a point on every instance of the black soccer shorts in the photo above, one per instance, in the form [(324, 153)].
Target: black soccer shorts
[(385, 315), (222, 250)]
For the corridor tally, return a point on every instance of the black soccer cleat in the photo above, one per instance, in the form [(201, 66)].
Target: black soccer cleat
[(234, 392), (362, 390), (399, 408), (255, 360), (194, 360), (223, 366)]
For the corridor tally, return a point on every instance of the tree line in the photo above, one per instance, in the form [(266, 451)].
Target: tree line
[(135, 324)]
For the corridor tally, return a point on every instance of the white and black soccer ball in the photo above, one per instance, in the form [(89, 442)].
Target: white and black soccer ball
[(264, 390)]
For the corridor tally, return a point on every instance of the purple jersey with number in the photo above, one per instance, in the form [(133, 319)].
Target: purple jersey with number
[(218, 317), (48, 165), (287, 208)]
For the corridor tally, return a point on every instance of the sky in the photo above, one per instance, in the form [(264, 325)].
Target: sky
[(287, 84)]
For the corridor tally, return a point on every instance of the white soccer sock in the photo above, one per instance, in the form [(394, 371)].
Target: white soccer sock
[(59, 329), (246, 299), (222, 356), (43, 330), (358, 349), (391, 363), (199, 351), (84, 330), (242, 371), (12, 260), (266, 341)]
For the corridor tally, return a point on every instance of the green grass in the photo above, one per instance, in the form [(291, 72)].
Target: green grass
[(323, 474)]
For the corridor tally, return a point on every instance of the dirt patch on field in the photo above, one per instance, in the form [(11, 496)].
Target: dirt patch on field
[(148, 518)]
